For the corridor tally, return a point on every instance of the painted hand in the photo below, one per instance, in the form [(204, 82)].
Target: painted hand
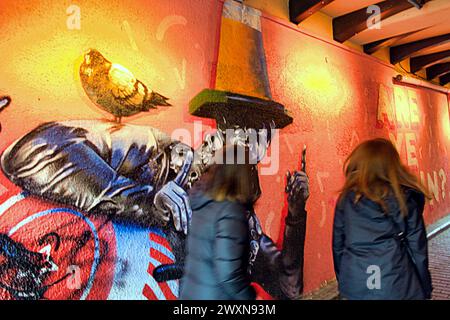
[(173, 199), (297, 188)]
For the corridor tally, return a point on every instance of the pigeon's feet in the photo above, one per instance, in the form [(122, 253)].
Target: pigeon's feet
[(116, 126)]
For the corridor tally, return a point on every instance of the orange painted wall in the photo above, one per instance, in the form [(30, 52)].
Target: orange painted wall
[(338, 98)]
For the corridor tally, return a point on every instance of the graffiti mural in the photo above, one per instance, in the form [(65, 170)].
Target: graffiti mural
[(92, 157), (51, 250), (125, 185)]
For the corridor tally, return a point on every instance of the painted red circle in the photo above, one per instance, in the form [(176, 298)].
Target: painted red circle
[(27, 223)]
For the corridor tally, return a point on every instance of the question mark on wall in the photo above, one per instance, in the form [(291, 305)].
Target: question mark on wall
[(443, 183), (167, 23)]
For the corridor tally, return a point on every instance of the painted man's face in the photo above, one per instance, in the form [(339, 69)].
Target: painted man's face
[(257, 141)]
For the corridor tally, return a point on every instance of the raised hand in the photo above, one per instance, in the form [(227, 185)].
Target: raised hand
[(174, 199), (297, 188)]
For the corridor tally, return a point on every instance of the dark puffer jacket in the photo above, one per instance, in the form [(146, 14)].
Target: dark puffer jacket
[(217, 252), (364, 237)]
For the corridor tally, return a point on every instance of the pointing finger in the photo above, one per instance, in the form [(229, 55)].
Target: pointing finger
[(303, 161)]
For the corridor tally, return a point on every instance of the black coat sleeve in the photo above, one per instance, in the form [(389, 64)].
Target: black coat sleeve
[(417, 241), (280, 272), (231, 249), (292, 257), (338, 238)]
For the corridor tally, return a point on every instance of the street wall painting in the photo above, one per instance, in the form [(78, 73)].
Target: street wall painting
[(335, 96)]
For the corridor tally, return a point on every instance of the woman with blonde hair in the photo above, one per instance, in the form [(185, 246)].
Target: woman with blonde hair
[(379, 237)]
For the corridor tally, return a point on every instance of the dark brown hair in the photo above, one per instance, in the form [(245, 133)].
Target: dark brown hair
[(374, 170), (235, 180)]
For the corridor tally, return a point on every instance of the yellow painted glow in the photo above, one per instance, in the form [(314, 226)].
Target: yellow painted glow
[(325, 88)]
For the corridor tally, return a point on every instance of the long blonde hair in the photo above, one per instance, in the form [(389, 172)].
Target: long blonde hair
[(374, 170)]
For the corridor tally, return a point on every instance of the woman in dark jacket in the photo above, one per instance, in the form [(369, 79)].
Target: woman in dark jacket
[(218, 241), (379, 237)]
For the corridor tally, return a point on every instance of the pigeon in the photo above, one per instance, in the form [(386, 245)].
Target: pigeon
[(114, 88)]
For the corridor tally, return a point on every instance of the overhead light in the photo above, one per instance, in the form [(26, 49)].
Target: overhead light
[(416, 3)]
